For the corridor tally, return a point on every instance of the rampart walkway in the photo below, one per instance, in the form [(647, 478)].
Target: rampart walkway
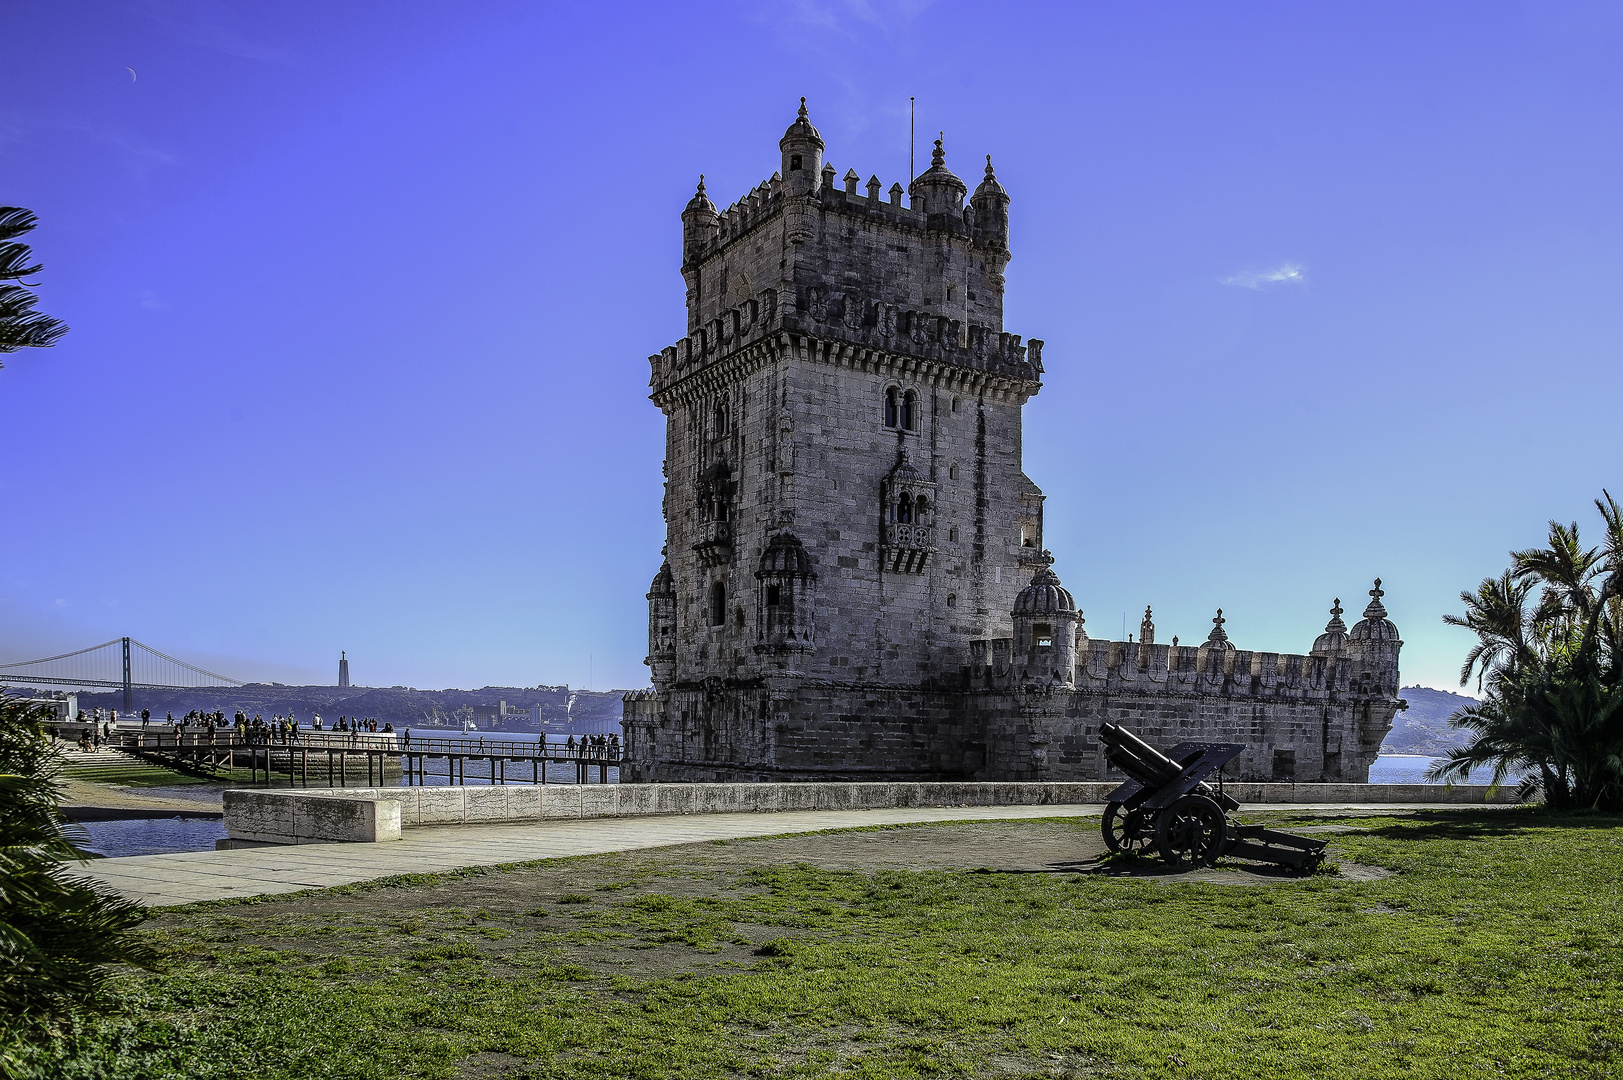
[(187, 877)]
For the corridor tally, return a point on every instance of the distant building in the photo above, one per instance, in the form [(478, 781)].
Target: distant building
[(343, 669), (507, 717)]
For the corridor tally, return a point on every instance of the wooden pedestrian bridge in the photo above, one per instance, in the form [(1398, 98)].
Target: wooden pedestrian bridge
[(333, 758)]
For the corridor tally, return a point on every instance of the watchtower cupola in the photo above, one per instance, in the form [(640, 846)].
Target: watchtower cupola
[(991, 204), (937, 190), (802, 147), (700, 223)]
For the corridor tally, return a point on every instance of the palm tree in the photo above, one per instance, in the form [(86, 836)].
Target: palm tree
[(58, 933), (21, 327), (1550, 667)]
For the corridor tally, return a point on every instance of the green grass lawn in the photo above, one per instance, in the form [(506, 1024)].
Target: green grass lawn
[(1492, 950)]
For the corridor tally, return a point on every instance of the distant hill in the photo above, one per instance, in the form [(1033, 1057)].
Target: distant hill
[(1423, 728), (563, 710)]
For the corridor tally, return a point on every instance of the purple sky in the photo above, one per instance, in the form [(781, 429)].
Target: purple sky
[(361, 297)]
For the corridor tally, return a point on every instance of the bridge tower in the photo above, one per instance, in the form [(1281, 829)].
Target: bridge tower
[(129, 698)]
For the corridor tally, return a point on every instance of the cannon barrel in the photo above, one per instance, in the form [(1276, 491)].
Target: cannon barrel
[(1144, 763), (1137, 758)]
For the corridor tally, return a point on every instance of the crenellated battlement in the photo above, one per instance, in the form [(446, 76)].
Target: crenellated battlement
[(820, 310)]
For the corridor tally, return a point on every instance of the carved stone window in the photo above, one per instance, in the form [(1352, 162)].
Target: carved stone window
[(718, 604), (892, 406), (910, 411), (909, 534)]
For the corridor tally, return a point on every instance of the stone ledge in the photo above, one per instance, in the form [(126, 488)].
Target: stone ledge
[(309, 817), (326, 815)]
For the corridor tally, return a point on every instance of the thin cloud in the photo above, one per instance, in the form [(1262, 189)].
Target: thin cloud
[(1288, 274)]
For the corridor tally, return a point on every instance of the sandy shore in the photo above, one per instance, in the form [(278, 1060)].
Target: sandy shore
[(82, 795)]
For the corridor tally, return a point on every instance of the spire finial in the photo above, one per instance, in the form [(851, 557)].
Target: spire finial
[(701, 183), (803, 107), (988, 164), (1376, 609), (938, 158), (1218, 636), (1335, 625)]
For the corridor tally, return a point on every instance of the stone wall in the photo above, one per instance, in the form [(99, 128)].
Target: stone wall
[(378, 814)]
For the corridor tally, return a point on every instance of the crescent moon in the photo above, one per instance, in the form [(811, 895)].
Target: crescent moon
[(132, 73)]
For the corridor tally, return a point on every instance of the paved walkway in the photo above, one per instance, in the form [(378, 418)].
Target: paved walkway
[(190, 876)]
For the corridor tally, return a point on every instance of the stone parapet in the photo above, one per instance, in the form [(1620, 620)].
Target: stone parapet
[(374, 814)]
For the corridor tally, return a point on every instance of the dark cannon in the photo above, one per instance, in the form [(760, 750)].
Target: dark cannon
[(1167, 807)]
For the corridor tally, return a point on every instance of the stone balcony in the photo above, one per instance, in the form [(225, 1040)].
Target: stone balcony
[(908, 547), (715, 543)]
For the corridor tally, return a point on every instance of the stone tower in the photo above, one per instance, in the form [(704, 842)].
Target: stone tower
[(854, 576), (843, 489)]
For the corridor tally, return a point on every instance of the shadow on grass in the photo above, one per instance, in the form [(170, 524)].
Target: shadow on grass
[(1134, 866), (1474, 824)]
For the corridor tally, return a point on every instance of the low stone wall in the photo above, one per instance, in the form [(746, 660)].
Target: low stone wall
[(283, 817), (310, 817)]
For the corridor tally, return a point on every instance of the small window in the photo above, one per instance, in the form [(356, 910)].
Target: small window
[(952, 472), (719, 424), (952, 599), (794, 162), (952, 534), (921, 508), (773, 595), (1044, 633), (890, 407), (910, 411), (738, 616), (954, 404), (904, 510), (718, 604)]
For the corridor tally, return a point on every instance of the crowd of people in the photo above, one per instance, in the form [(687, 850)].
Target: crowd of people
[(285, 730)]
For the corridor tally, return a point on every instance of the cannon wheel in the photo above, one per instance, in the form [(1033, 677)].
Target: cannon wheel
[(1126, 831), (1191, 832)]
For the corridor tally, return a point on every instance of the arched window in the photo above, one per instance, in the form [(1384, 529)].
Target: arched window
[(774, 595), (1044, 633), (718, 427), (952, 599), (910, 411), (718, 604), (904, 510), (890, 407), (921, 509)]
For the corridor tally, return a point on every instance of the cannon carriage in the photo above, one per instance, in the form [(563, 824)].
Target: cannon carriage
[(1168, 807)]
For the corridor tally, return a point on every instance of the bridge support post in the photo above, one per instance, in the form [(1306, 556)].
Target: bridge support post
[(129, 699)]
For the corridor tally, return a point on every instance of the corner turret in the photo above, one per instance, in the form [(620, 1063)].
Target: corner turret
[(1374, 644), (937, 190), (1045, 619), (802, 147), (991, 205), (700, 223), (661, 598)]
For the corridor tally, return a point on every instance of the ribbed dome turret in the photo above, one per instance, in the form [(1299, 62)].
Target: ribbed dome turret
[(664, 582), (1375, 626), (700, 202), (1334, 638), (785, 554), (801, 130), (937, 189), (1044, 596), (989, 187)]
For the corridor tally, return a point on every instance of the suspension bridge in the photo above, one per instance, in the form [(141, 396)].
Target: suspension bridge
[(121, 663)]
